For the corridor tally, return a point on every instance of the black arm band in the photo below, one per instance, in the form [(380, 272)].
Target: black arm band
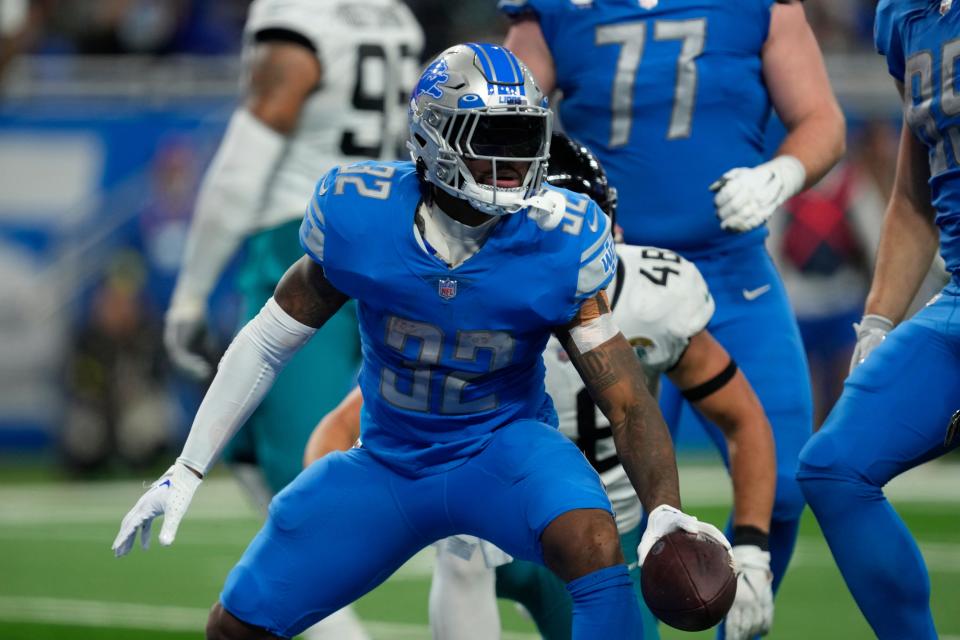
[(750, 535), (278, 34), (701, 391)]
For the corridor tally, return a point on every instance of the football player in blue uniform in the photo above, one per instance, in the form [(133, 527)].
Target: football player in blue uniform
[(463, 265), (663, 308), (895, 411), (674, 98)]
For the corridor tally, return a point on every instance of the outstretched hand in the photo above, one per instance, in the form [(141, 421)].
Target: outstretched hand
[(169, 496)]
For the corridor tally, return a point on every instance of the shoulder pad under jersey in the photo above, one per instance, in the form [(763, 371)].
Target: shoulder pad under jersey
[(663, 303), (343, 203), (887, 32)]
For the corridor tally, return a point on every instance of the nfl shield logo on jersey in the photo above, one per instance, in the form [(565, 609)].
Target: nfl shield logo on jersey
[(447, 288)]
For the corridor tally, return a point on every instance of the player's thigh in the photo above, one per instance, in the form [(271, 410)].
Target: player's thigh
[(895, 409), (762, 336), (333, 534), (524, 479)]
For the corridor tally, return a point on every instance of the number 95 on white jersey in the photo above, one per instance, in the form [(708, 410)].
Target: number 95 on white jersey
[(369, 52)]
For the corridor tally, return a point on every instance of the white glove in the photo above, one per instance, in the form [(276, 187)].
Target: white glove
[(747, 197), (665, 519), (169, 496), (184, 327), (871, 331), (752, 610)]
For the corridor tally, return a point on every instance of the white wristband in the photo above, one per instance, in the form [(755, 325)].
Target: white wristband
[(792, 173)]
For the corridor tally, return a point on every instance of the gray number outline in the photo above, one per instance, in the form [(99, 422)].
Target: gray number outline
[(469, 344), (631, 36), (918, 114)]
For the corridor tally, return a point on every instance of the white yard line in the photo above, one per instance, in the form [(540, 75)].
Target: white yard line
[(220, 499), (707, 485), (96, 613), (941, 557)]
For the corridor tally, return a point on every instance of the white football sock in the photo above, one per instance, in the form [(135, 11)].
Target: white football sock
[(463, 598), (339, 625)]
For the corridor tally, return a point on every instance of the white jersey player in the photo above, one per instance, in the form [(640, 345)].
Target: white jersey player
[(325, 82), (662, 305), (369, 53)]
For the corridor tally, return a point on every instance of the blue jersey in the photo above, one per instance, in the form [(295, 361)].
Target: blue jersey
[(449, 355), (922, 48), (669, 98)]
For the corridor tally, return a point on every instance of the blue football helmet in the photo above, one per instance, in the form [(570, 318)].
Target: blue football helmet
[(479, 102)]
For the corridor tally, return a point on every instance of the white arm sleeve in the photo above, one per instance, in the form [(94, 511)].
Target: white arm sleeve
[(229, 202), (247, 371)]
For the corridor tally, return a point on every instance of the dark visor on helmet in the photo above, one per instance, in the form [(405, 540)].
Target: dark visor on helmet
[(505, 136)]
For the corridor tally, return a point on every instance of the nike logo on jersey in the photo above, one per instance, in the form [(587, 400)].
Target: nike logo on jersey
[(323, 187), (753, 294), (596, 222)]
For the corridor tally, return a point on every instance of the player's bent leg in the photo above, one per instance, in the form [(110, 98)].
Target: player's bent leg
[(463, 602), (583, 548), (333, 534), (545, 503), (545, 596), (274, 437), (580, 542), (877, 430)]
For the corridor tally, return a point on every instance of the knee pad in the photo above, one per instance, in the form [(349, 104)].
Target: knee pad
[(821, 457), (242, 594), (825, 474)]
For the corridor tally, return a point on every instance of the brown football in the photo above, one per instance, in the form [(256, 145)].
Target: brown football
[(688, 581)]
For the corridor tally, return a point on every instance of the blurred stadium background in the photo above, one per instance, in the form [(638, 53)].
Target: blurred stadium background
[(109, 112)]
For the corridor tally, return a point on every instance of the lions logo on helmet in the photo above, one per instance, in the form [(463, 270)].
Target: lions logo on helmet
[(479, 102)]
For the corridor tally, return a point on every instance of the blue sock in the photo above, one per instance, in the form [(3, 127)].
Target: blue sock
[(783, 538), (605, 605), (876, 554)]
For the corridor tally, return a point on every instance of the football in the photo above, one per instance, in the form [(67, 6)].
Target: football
[(688, 581)]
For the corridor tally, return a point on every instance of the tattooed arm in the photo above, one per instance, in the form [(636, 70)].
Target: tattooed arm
[(615, 380)]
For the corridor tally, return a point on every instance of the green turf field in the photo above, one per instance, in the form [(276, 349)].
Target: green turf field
[(58, 578)]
